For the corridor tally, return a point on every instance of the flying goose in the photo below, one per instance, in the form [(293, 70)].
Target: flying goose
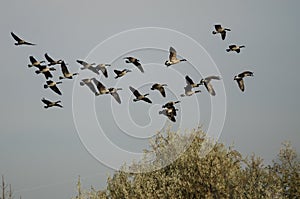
[(51, 104), (188, 91), (189, 81), (173, 57), (20, 41), (103, 69), (34, 62), (121, 73), (101, 88), (160, 88), (89, 83), (114, 93), (65, 72), (45, 70), (88, 66), (52, 84), (221, 30), (235, 48), (170, 104), (239, 79), (170, 113), (135, 62), (138, 96), (208, 85), (52, 61)]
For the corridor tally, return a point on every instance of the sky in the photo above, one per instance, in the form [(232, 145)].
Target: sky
[(43, 151)]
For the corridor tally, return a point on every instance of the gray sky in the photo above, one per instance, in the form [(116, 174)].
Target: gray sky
[(40, 150)]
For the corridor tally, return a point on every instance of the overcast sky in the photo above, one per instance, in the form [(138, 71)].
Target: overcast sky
[(41, 151)]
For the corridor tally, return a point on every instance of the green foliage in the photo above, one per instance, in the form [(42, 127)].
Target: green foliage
[(193, 166)]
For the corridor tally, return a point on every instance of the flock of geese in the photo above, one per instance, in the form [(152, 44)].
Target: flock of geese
[(97, 88)]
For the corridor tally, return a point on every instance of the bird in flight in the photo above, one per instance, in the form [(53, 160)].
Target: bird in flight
[(49, 103), (173, 58), (135, 62), (160, 88), (240, 81), (20, 41), (219, 29), (139, 96), (235, 48), (206, 82)]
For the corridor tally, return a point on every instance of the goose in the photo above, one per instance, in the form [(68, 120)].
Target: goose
[(51, 104), (173, 57), (188, 91), (170, 113), (65, 72), (235, 48), (20, 41), (101, 88), (114, 93), (103, 69), (88, 66), (52, 84), (45, 70), (135, 62), (138, 96), (189, 81), (52, 61), (208, 85), (34, 62), (170, 104), (121, 73), (221, 30), (240, 81), (160, 88), (89, 83)]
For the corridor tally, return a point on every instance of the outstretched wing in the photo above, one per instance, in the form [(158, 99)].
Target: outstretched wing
[(115, 95), (64, 68), (82, 62), (134, 91), (223, 35), (49, 59), (162, 91), (146, 99), (245, 74), (210, 88), (173, 54), (188, 80), (218, 27), (32, 59), (209, 78), (55, 89), (18, 39), (241, 84), (99, 85), (45, 101)]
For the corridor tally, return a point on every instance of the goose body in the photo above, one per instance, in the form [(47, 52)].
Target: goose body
[(34, 62), (65, 72), (173, 58), (102, 68), (219, 29), (45, 70), (49, 103), (139, 96), (189, 81), (240, 81), (52, 85), (52, 61), (121, 73), (235, 48), (207, 83), (86, 65), (135, 62), (89, 83), (20, 41), (160, 88)]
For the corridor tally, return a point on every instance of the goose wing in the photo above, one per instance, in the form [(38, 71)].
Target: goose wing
[(115, 95), (64, 68), (55, 89), (245, 74), (49, 59), (135, 92), (223, 35), (138, 65), (218, 27), (18, 39), (210, 88), (241, 84), (103, 69), (82, 62), (162, 91), (118, 72), (47, 102), (94, 69), (32, 59), (189, 80), (146, 99), (209, 78), (99, 85), (48, 74), (173, 54)]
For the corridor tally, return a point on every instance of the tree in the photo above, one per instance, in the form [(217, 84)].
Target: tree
[(203, 169)]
